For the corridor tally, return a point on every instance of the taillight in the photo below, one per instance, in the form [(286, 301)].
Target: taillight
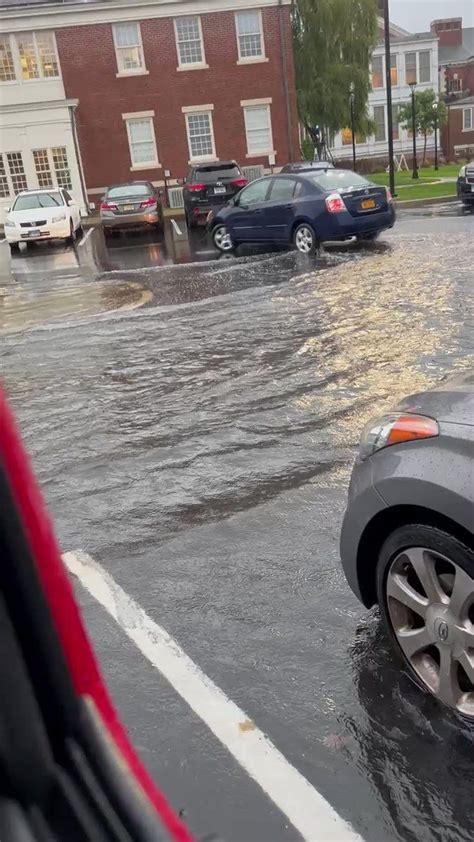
[(239, 182), (335, 204), (148, 203), (108, 206), (389, 196), (196, 187)]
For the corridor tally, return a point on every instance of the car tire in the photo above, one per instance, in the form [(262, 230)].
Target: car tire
[(305, 239), (428, 637), (222, 239), (14, 247)]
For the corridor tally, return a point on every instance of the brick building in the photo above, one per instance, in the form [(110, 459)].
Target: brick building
[(155, 85), (456, 66)]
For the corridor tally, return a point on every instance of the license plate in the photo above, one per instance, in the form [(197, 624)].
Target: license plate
[(34, 233), (367, 204), (219, 189), (128, 207)]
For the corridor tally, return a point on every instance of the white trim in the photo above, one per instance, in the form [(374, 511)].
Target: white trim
[(262, 155), (464, 112), (133, 71), (55, 16), (137, 72), (138, 167), (212, 156), (188, 109), (250, 59), (190, 65), (265, 100), (144, 165), (261, 103), (135, 115), (253, 60)]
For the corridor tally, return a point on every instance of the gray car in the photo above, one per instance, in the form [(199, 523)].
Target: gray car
[(407, 540), (136, 204)]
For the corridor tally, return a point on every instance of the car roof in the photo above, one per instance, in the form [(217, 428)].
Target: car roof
[(207, 164), (301, 166), (127, 184), (39, 190)]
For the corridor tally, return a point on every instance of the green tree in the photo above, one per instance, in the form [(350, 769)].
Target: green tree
[(425, 115), (333, 44)]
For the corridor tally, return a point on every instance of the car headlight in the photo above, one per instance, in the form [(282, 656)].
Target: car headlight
[(462, 172), (395, 428), (59, 217), (9, 223)]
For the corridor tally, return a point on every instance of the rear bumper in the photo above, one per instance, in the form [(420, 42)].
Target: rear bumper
[(342, 225), (465, 191), (130, 220)]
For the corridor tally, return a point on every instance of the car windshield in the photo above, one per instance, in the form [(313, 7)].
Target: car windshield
[(32, 201), (208, 174), (128, 190), (338, 179)]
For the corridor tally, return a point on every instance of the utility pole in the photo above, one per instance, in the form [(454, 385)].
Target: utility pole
[(388, 82), (435, 110)]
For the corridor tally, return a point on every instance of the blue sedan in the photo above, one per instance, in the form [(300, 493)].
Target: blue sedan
[(304, 210)]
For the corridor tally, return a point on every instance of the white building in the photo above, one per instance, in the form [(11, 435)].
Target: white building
[(414, 58), (38, 143)]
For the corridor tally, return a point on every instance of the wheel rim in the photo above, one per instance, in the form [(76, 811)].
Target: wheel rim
[(431, 607), (304, 239), (222, 239)]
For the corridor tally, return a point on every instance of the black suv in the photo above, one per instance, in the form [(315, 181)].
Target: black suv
[(466, 185), (208, 186)]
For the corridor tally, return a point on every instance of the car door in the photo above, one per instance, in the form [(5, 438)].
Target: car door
[(73, 208), (280, 207), (247, 221)]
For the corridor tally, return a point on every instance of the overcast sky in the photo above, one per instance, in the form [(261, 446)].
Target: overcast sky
[(416, 15)]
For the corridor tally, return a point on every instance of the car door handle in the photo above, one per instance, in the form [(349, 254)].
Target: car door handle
[(288, 207)]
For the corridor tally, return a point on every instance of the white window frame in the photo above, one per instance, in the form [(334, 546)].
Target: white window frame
[(196, 65), (426, 82), (464, 112), (141, 115), (194, 110), (249, 104), (382, 60), (17, 64), (15, 58), (137, 71), (250, 59)]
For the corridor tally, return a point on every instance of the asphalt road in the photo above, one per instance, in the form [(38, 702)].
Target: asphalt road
[(193, 427)]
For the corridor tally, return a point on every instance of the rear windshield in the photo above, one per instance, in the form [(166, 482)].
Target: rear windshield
[(215, 173), (338, 179), (32, 201), (128, 190)]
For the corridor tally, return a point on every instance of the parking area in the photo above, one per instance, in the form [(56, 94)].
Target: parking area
[(193, 418)]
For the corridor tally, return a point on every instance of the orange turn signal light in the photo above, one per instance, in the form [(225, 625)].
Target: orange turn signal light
[(395, 428)]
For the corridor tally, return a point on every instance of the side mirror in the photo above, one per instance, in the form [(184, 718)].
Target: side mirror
[(7, 210), (71, 203)]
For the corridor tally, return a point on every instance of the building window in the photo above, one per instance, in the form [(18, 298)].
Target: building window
[(396, 122), (467, 119), (17, 171), (28, 58), (200, 135), (4, 189), (377, 72), (379, 118), (48, 58), (425, 66), (42, 167), (454, 86), (61, 167), (258, 130), (189, 41), (141, 140), (410, 68), (346, 136), (128, 47), (394, 70), (7, 66), (249, 35)]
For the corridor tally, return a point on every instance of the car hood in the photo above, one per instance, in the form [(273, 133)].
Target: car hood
[(35, 213), (451, 401)]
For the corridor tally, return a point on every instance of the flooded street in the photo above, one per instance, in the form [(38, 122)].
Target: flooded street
[(192, 420)]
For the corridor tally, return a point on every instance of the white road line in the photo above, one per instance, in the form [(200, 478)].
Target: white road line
[(176, 227), (85, 237), (294, 796)]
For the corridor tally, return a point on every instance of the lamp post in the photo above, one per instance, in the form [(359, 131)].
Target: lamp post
[(413, 116), (385, 12), (435, 115), (352, 101)]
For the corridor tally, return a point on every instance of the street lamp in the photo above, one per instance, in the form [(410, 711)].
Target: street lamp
[(413, 116), (435, 115), (352, 100)]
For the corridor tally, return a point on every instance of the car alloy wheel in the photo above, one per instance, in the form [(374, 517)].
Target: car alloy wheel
[(222, 238), (430, 606), (305, 239)]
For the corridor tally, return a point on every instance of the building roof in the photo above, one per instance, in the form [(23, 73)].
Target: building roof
[(468, 100), (459, 53)]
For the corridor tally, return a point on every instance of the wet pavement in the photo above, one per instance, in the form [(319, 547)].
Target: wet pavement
[(193, 427)]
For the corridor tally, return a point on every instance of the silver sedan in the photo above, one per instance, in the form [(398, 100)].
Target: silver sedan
[(133, 205), (408, 535)]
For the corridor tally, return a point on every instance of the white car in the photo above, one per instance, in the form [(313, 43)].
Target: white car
[(42, 215)]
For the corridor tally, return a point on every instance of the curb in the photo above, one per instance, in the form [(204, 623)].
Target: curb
[(420, 203)]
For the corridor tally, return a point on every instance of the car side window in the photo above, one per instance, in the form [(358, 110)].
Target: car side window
[(282, 189), (67, 197), (254, 193)]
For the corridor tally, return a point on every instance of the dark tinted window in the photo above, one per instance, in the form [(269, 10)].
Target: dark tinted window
[(31, 201), (126, 190), (207, 175), (255, 192), (338, 179), (282, 189), (67, 196)]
